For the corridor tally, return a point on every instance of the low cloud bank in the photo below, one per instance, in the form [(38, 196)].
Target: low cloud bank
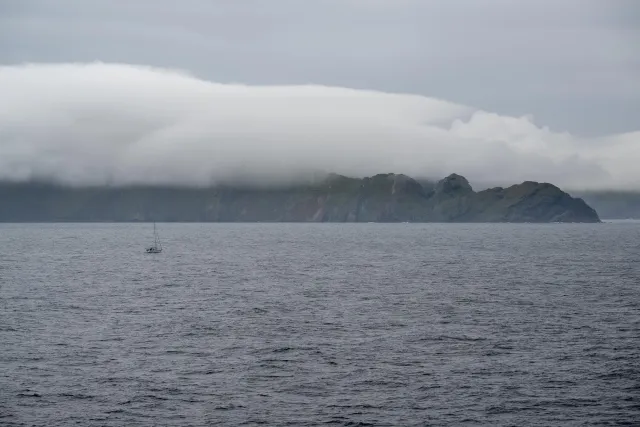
[(122, 124)]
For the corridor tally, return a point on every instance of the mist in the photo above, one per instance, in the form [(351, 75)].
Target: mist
[(117, 124)]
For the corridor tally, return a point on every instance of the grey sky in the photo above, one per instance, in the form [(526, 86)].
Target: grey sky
[(573, 64)]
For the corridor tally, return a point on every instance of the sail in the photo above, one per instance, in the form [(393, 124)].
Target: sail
[(157, 243), (157, 246)]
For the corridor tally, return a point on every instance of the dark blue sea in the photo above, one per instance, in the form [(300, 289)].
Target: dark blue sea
[(323, 324)]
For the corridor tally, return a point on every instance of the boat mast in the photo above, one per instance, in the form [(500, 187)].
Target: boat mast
[(155, 235)]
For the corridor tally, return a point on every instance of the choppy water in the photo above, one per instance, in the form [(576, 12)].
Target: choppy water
[(283, 324)]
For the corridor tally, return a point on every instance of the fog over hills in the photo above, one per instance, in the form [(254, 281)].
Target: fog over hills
[(96, 123)]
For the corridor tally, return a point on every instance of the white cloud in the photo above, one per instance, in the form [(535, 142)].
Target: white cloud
[(92, 123)]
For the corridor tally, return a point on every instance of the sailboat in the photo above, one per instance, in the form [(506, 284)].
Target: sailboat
[(156, 248)]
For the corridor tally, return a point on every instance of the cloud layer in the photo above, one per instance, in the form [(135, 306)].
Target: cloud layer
[(112, 123), (571, 63)]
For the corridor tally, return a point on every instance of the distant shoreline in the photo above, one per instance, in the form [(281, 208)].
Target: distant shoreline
[(382, 198)]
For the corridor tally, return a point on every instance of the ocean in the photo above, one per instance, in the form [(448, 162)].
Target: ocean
[(320, 324)]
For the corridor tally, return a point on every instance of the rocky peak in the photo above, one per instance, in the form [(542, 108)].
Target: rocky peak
[(453, 185)]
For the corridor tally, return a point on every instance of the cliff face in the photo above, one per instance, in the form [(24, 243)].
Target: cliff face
[(381, 198), (530, 202)]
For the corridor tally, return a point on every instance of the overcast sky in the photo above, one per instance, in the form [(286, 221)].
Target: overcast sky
[(573, 64)]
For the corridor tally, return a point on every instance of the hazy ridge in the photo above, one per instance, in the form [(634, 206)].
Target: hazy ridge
[(381, 198), (612, 204)]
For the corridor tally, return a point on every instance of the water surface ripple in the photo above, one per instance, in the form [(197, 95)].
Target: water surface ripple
[(324, 324)]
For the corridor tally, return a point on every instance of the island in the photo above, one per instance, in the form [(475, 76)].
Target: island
[(334, 198)]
